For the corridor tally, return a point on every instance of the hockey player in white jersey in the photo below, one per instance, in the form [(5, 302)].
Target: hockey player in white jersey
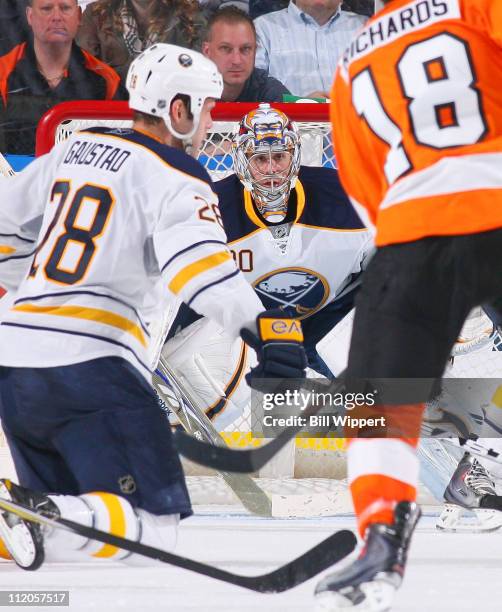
[(97, 237), (299, 243)]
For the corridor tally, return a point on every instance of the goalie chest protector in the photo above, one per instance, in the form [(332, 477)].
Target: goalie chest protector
[(316, 262)]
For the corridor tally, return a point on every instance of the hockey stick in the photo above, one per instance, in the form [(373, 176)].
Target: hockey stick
[(249, 460), (306, 566), (5, 168), (254, 459), (196, 422)]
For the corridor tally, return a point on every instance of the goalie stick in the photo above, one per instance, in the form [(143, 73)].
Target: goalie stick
[(194, 421), (317, 559)]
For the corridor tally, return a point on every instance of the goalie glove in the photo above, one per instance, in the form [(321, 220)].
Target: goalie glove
[(278, 347)]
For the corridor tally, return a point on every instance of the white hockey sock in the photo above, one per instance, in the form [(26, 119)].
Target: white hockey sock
[(158, 531), (108, 512), (75, 509)]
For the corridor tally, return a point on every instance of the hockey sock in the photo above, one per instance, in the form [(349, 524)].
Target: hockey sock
[(109, 512), (382, 460), (381, 473)]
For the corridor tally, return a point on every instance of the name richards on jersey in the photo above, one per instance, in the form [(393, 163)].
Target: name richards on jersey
[(415, 16)]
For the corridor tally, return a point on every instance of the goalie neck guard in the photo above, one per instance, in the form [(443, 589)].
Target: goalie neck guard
[(266, 150)]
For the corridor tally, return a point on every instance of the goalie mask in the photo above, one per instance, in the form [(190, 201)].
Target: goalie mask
[(266, 150)]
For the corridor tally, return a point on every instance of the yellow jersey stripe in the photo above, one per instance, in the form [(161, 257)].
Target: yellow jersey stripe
[(202, 265), (6, 250), (90, 314), (117, 523)]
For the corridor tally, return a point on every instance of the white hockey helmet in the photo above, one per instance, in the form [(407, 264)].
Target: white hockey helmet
[(164, 71), (263, 133)]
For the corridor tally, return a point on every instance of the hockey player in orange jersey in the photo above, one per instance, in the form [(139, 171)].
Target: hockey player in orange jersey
[(417, 120)]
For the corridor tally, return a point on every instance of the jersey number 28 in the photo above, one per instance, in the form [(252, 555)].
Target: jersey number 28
[(84, 221)]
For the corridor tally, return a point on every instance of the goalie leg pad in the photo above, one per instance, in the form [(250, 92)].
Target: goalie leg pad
[(211, 366)]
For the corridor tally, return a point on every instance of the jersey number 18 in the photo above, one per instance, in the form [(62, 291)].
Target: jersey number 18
[(444, 106)]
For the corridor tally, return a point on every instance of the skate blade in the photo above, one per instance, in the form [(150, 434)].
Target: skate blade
[(483, 521), (17, 538), (374, 596)]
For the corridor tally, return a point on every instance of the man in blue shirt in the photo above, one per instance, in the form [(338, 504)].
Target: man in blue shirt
[(302, 44)]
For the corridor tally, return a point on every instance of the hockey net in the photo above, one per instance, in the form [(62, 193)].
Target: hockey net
[(312, 469)]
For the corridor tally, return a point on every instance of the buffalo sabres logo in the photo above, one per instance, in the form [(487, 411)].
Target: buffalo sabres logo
[(298, 291), (185, 60)]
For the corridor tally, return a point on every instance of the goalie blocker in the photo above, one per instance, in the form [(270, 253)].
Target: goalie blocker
[(216, 369), (278, 346)]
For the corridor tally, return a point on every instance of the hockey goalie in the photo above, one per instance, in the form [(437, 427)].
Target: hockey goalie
[(282, 219)]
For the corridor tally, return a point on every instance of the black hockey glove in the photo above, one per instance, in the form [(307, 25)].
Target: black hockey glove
[(278, 347)]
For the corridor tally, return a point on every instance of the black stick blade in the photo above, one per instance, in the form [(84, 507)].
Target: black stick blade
[(319, 558), (228, 459)]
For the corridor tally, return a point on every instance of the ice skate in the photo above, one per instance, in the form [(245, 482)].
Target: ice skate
[(471, 488), (23, 539), (369, 584)]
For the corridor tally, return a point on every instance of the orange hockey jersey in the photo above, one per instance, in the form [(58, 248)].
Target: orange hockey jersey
[(417, 119)]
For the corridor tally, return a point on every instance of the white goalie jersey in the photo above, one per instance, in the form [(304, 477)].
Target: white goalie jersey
[(95, 239)]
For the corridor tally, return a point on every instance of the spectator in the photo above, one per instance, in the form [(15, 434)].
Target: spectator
[(117, 31), (363, 7), (303, 42), (13, 26), (51, 68), (231, 44), (213, 5), (260, 7)]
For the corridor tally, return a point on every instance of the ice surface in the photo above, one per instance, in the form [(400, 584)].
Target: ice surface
[(446, 572)]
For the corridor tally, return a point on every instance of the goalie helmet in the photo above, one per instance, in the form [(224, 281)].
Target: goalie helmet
[(164, 71), (266, 151)]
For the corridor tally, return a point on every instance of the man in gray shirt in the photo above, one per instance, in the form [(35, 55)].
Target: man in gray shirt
[(231, 44)]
